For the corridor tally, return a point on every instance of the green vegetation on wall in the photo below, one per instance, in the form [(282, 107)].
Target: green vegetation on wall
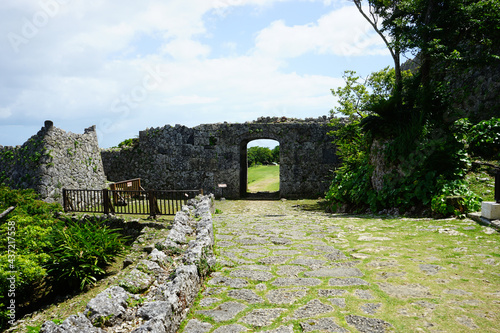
[(48, 253)]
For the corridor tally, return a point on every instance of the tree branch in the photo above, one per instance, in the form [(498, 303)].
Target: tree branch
[(7, 211)]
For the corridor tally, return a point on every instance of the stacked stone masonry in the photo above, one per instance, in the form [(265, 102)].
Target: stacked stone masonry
[(208, 155), (174, 158), (161, 299), (53, 159)]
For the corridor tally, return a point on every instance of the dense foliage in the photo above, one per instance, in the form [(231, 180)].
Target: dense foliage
[(403, 138), (263, 155), (47, 253)]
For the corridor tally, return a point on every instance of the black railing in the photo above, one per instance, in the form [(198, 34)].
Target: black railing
[(135, 202)]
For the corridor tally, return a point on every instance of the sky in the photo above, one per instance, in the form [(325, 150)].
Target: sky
[(129, 65)]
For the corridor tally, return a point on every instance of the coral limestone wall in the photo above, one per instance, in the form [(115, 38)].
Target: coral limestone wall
[(208, 155), (53, 159)]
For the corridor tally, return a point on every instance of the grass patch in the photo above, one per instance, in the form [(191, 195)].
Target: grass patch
[(264, 178)]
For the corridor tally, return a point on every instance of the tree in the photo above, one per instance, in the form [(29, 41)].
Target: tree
[(259, 155), (447, 36)]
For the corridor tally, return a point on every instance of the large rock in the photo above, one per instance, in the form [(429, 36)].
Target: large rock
[(73, 324), (108, 308)]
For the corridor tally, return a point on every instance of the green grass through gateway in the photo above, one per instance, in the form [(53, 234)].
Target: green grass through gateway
[(264, 178)]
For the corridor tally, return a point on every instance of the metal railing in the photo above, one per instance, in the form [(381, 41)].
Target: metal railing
[(136, 202)]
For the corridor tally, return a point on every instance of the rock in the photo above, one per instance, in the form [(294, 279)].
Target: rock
[(245, 295), (108, 308), (368, 325), (279, 296), (335, 272), (73, 324), (225, 311), (262, 317), (348, 282), (196, 326), (406, 290), (430, 269), (136, 281), (322, 325), (152, 310), (150, 267), (311, 309)]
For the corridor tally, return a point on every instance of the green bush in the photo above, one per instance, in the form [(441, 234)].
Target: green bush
[(82, 250), (484, 139)]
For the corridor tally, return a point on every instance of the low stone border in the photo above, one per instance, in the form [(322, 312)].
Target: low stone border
[(166, 298), (495, 224)]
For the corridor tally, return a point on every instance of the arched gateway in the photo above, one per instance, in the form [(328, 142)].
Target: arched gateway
[(214, 157)]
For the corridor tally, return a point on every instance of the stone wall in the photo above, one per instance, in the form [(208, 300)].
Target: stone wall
[(53, 159), (167, 297), (208, 155)]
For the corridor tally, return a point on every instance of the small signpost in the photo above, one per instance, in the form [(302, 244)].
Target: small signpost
[(222, 187)]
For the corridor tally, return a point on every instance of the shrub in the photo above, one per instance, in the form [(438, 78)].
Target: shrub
[(484, 139), (82, 250)]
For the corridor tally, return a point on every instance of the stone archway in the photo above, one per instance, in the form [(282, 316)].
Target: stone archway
[(244, 168), (206, 156)]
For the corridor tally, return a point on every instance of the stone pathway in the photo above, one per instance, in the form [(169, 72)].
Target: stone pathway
[(287, 270)]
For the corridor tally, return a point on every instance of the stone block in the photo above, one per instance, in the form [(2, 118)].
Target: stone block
[(490, 210)]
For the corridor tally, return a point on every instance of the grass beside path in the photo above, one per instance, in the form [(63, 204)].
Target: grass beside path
[(334, 271), (264, 178)]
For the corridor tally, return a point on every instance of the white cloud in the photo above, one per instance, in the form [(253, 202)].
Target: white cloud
[(5, 112), (128, 65), (341, 32)]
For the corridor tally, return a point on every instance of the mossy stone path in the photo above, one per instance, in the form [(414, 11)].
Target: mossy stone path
[(285, 269)]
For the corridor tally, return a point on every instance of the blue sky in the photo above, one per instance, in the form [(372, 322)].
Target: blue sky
[(127, 65)]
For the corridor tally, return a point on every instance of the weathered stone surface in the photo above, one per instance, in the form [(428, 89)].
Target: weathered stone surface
[(136, 281), (252, 274), (159, 257), (347, 282), (322, 325), (245, 295), (64, 160), (311, 263), (281, 329), (229, 282), (371, 308), (224, 312), (234, 328), (363, 294), (73, 324), (274, 260), (331, 292), (108, 307), (196, 326), (430, 269), (284, 296), (288, 270), (338, 272), (206, 155), (340, 302), (152, 310), (286, 282), (368, 325), (405, 290), (457, 292), (208, 301), (150, 267), (262, 317), (311, 309)]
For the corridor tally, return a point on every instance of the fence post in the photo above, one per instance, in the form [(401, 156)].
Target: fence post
[(105, 198), (497, 186), (153, 206), (65, 200)]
